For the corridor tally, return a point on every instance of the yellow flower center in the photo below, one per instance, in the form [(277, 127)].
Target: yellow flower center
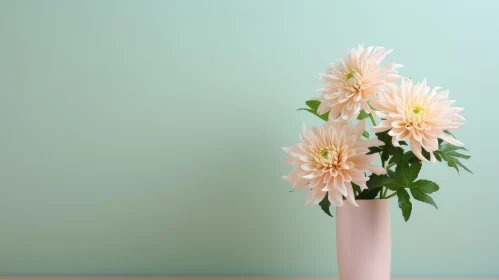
[(415, 117), (417, 109), (349, 75), (327, 156), (353, 79)]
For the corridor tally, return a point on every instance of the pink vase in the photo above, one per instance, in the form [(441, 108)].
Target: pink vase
[(363, 240)]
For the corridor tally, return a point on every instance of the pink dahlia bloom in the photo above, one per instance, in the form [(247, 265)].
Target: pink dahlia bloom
[(331, 158), (352, 82), (419, 114)]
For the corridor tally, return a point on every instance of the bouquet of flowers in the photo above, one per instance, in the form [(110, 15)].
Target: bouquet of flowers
[(335, 161)]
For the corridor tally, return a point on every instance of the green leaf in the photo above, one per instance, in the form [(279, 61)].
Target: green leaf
[(411, 157), (356, 188), (450, 148), (390, 173), (378, 180), (325, 205), (373, 150), (421, 196), (385, 155), (370, 193), (458, 155), (313, 106), (462, 165), (425, 186), (405, 174), (363, 115), (450, 154), (388, 150), (365, 134), (383, 181), (385, 138), (404, 203), (453, 165), (397, 154), (324, 117), (450, 133), (437, 156)]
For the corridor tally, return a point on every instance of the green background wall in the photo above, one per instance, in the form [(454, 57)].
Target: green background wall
[(143, 137)]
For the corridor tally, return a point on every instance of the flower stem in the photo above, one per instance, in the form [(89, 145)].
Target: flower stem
[(390, 165), (392, 195), (372, 119), (384, 192)]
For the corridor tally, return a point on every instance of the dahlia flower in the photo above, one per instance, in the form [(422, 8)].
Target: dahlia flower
[(352, 82), (331, 158), (418, 114)]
